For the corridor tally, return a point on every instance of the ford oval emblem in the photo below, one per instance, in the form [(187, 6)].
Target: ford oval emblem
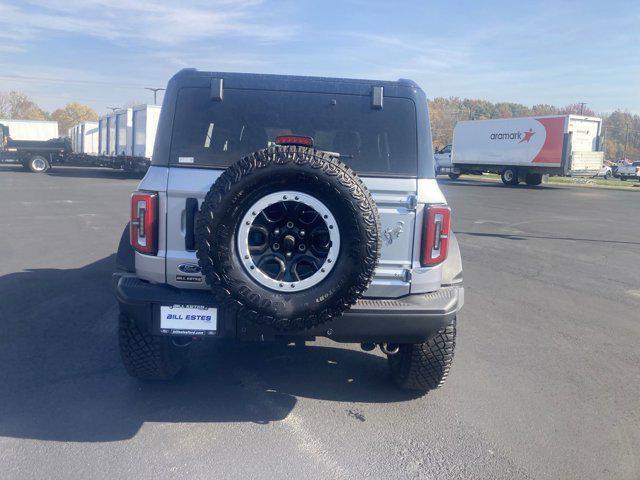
[(190, 268)]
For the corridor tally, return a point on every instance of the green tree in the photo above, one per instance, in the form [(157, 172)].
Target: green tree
[(72, 114)]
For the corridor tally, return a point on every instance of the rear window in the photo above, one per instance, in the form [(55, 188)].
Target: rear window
[(216, 134)]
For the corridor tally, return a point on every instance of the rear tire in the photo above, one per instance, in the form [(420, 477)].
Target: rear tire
[(149, 357), (37, 164), (454, 176), (421, 367), (509, 176), (533, 179)]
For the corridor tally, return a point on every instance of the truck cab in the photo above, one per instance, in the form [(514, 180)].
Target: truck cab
[(4, 135)]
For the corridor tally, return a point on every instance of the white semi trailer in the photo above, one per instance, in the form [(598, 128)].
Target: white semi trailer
[(524, 149)]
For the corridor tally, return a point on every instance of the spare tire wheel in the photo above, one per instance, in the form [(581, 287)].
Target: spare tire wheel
[(290, 235)]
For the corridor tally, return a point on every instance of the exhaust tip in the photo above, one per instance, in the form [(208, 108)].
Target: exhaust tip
[(367, 346), (389, 348)]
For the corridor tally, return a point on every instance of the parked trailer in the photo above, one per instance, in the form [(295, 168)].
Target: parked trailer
[(145, 125), (111, 134), (124, 124), (84, 138), (524, 149), (102, 135)]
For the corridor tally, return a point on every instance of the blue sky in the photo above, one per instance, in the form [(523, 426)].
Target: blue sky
[(103, 52)]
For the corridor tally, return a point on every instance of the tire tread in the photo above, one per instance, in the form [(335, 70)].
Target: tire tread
[(425, 366), (148, 357)]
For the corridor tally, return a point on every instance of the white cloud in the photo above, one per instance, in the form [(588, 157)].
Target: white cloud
[(168, 23)]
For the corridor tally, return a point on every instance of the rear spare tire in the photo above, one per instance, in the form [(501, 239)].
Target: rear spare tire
[(290, 235)]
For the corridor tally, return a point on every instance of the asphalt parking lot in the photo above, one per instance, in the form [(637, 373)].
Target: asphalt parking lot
[(545, 384)]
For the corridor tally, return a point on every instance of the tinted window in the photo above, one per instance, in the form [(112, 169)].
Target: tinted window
[(370, 141)]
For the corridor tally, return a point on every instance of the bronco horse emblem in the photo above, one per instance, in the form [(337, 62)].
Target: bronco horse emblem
[(391, 233)]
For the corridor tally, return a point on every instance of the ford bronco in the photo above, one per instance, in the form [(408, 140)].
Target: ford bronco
[(290, 208)]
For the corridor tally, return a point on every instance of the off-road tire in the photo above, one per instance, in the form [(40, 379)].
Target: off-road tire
[(533, 179), (149, 357), (311, 172), (424, 366), (509, 176), (454, 176)]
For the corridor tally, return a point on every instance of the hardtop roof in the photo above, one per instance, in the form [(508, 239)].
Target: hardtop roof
[(262, 81)]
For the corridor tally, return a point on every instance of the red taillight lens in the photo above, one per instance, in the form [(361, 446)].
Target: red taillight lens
[(435, 241), (144, 222), (294, 140)]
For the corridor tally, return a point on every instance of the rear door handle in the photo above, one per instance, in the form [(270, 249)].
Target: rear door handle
[(190, 220)]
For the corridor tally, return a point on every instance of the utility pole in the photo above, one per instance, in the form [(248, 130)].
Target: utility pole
[(155, 93), (626, 143), (582, 104), (113, 109)]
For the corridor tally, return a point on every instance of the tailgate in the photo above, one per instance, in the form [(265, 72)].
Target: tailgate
[(395, 199)]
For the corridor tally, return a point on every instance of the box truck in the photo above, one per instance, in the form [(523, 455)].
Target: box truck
[(31, 129), (31, 145), (524, 149)]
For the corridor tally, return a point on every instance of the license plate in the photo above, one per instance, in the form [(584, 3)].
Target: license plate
[(193, 320)]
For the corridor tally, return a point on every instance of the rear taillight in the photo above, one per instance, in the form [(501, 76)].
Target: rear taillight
[(435, 240), (144, 222)]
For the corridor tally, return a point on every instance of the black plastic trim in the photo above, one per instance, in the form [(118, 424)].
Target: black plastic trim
[(126, 256), (191, 209), (409, 319)]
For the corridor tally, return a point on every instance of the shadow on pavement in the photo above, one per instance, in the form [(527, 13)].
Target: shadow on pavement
[(61, 377), (518, 236), (76, 172), (490, 184), (97, 172)]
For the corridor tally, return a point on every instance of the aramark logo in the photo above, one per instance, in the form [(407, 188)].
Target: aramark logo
[(522, 136), (527, 135)]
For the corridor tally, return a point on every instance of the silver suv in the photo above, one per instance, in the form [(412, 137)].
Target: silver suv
[(290, 208)]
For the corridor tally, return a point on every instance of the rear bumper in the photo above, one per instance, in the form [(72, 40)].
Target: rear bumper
[(409, 319)]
